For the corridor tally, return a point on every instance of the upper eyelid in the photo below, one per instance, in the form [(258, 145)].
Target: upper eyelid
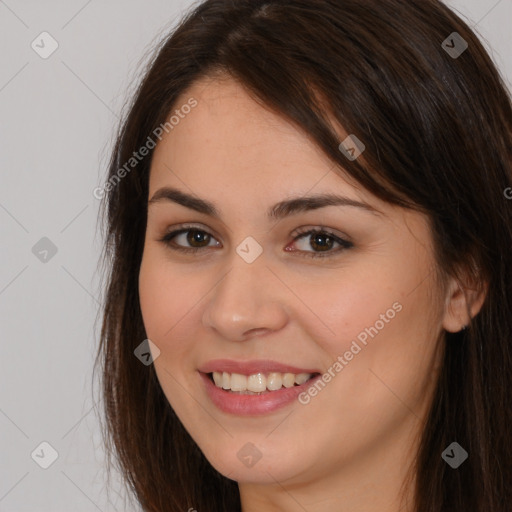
[(185, 227), (303, 231)]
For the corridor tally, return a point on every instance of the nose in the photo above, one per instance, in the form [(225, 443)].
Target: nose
[(247, 301)]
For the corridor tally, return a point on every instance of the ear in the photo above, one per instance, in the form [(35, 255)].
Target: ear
[(462, 303)]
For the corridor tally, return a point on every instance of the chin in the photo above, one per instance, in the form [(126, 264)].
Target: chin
[(256, 464)]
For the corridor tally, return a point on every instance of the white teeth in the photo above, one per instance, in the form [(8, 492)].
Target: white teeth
[(226, 380), (288, 380), (300, 378), (238, 382), (258, 382), (217, 377), (274, 381)]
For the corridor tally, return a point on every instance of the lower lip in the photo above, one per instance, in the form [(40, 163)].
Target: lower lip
[(247, 405)]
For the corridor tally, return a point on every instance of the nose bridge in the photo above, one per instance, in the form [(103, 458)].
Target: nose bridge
[(246, 297)]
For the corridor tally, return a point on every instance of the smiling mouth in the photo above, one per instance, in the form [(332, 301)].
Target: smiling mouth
[(258, 383)]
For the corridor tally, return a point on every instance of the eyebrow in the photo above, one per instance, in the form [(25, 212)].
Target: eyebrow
[(278, 211)]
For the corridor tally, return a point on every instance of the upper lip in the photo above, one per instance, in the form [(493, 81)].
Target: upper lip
[(251, 367)]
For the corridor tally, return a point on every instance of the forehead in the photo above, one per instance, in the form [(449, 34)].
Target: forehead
[(229, 137), (229, 126), (239, 155)]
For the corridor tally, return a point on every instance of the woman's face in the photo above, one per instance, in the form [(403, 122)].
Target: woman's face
[(364, 316)]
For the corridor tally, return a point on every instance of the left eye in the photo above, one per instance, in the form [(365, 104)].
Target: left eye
[(319, 239), (324, 241)]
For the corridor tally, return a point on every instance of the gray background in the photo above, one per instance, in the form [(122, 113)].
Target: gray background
[(57, 122)]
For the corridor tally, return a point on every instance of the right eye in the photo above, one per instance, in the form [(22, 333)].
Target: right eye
[(187, 234)]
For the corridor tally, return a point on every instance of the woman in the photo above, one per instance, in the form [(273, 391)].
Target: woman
[(308, 243)]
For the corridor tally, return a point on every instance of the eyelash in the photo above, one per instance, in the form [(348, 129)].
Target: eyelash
[(344, 244)]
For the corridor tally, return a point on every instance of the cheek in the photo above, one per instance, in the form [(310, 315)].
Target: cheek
[(167, 300), (382, 324), (166, 295), (387, 297), (346, 306)]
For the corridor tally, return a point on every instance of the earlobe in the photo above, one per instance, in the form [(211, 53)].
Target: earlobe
[(462, 304)]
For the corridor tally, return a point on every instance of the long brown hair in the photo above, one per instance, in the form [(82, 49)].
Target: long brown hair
[(437, 127)]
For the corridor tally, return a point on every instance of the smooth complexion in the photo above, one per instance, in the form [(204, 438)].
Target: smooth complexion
[(350, 448)]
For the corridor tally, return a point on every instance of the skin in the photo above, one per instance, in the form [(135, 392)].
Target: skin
[(351, 446)]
